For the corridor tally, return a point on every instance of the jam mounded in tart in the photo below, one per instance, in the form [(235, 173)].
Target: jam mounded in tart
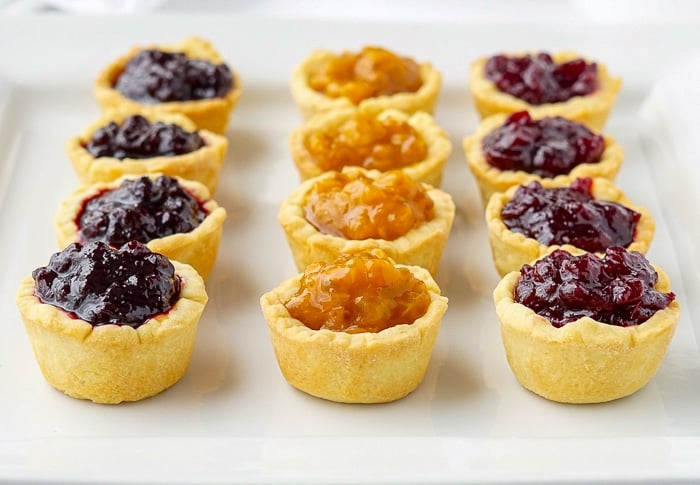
[(367, 142), (355, 206), (547, 147), (370, 73), (138, 138), (569, 215), (154, 76), (360, 292), (103, 285), (538, 80), (139, 209), (617, 289)]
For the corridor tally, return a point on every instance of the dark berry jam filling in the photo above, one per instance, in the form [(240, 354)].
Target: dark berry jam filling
[(538, 80), (154, 76), (547, 147), (617, 289), (103, 285), (139, 209), (569, 215), (137, 138)]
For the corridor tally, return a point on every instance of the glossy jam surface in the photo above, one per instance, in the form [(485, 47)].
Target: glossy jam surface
[(139, 209), (569, 215), (547, 147), (617, 289), (369, 73), (138, 138), (102, 285), (538, 80), (154, 76), (355, 206), (360, 292), (365, 141)]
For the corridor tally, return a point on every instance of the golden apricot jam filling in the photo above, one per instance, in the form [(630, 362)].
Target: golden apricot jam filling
[(365, 141), (369, 73), (358, 292), (355, 206)]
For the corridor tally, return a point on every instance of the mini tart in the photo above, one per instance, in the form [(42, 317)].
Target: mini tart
[(428, 170), (198, 248), (422, 246), (584, 361), (112, 363), (207, 114), (491, 179), (310, 101), (353, 368), (591, 110), (511, 250), (202, 165)]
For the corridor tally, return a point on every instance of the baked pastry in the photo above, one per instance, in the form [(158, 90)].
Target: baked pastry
[(561, 84), (189, 78), (354, 210), (513, 150), (585, 329), (112, 325), (374, 78), (173, 217), (526, 222), (365, 335), (381, 141), (128, 143)]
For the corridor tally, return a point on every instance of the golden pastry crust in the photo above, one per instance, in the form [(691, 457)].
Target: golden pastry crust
[(111, 363), (584, 361), (311, 102), (511, 250), (491, 179), (422, 246), (428, 170), (354, 368), (591, 110), (207, 114), (198, 248), (202, 165)]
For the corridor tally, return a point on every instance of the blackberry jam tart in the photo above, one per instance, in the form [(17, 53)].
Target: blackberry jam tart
[(560, 84), (174, 217), (190, 78), (511, 150), (528, 221), (112, 325), (586, 328), (129, 142)]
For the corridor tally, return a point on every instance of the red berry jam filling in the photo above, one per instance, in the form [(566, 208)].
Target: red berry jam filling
[(617, 289), (154, 76), (547, 147), (103, 285), (137, 138), (139, 209), (538, 80), (569, 215)]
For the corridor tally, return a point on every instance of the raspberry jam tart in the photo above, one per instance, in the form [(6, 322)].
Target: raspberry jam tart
[(112, 325), (357, 329), (586, 328)]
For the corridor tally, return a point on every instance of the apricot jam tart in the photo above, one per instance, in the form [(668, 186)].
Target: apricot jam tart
[(560, 84), (353, 210), (357, 329), (586, 328), (373, 77), (112, 325), (383, 141)]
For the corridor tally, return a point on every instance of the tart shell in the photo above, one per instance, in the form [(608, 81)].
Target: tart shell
[(111, 363)]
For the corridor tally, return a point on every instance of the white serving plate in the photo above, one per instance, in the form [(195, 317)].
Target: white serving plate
[(233, 417)]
